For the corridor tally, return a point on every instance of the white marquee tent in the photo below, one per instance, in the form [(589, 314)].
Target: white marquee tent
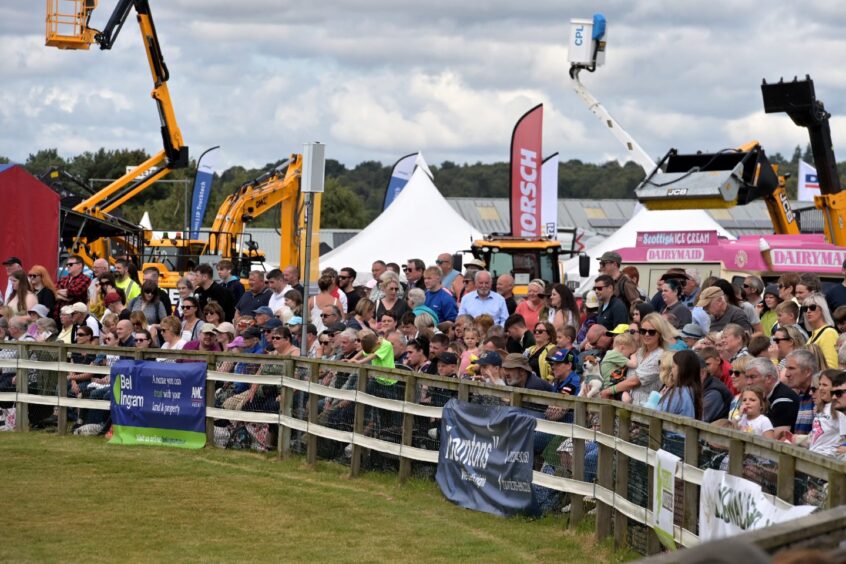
[(644, 220), (418, 224)]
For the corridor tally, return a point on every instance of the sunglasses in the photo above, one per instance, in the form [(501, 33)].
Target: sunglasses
[(604, 262), (148, 293), (276, 338), (71, 263), (598, 288), (33, 275), (143, 340), (736, 372), (812, 307), (324, 342), (780, 339), (650, 332), (342, 277), (539, 331), (838, 393)]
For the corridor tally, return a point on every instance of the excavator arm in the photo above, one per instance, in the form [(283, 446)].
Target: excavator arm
[(281, 186)]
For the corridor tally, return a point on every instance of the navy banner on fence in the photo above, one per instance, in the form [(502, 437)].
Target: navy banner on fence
[(486, 457), (159, 403)]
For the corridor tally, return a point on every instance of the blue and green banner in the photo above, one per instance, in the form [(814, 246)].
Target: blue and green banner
[(159, 403)]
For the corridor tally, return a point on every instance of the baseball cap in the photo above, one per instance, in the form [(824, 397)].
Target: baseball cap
[(489, 358), (692, 331), (40, 310), (66, 310), (272, 323), (208, 328), (591, 301), (516, 360), (708, 295), (225, 327), (448, 358), (12, 260), (296, 320), (251, 333), (562, 355), (111, 298), (79, 307), (618, 330), (611, 256), (263, 310)]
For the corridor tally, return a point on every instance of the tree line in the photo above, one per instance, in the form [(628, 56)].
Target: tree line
[(353, 196)]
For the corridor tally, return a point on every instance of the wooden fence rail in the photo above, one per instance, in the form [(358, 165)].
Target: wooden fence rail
[(626, 437)]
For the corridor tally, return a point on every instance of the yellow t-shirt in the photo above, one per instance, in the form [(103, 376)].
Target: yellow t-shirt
[(826, 339)]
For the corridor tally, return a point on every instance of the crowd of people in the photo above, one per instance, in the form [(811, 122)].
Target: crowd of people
[(764, 359)]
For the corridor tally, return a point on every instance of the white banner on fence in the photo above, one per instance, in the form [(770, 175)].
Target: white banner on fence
[(664, 497), (729, 505)]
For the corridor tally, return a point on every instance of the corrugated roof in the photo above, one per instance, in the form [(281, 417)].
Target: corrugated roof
[(3, 167)]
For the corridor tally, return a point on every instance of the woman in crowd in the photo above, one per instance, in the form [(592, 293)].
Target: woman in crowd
[(191, 324), (737, 373), (22, 298), (139, 323), (640, 310), (213, 314), (46, 330), (105, 284), (820, 328), (462, 322), (425, 325), (109, 323), (363, 317), (672, 292), (323, 299), (767, 309), (733, 342), (43, 286), (149, 303), (545, 338), (392, 300), (785, 341), (533, 308), (684, 395), (654, 334), (171, 331), (294, 302), (563, 309), (185, 289), (829, 427)]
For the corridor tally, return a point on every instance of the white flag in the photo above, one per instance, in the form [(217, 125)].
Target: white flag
[(549, 197), (809, 184)]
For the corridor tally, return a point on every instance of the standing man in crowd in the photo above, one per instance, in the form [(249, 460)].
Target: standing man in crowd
[(73, 287), (482, 300), (623, 286), (292, 278), (451, 279), (505, 288), (131, 288), (229, 280), (346, 282), (612, 311), (258, 296), (208, 290), (437, 298), (414, 273)]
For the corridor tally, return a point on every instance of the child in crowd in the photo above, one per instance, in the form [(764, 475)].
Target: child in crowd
[(829, 427), (616, 363), (471, 341), (566, 337), (753, 418)]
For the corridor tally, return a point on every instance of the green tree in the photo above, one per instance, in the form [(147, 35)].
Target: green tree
[(340, 208)]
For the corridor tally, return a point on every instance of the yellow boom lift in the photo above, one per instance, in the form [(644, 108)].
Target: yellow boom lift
[(68, 28)]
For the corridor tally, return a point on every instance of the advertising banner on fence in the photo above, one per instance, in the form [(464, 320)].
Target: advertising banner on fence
[(486, 457), (664, 497), (526, 177), (729, 505), (159, 403)]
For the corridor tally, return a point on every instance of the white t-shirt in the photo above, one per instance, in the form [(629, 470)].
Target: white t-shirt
[(91, 322), (177, 346), (757, 426), (826, 432), (277, 301)]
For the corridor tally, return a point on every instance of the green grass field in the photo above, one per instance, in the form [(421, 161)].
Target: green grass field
[(78, 498)]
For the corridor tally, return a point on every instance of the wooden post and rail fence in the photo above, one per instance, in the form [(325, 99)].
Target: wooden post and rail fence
[(624, 438)]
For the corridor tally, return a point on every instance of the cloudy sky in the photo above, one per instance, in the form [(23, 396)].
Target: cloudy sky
[(375, 80)]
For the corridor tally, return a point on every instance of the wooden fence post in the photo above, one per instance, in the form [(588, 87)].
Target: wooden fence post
[(691, 492), (407, 426), (311, 448), (786, 477), (605, 472), (210, 389), (62, 392), (577, 508), (836, 489), (286, 408), (656, 441), (735, 466), (621, 479), (22, 387), (358, 423)]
